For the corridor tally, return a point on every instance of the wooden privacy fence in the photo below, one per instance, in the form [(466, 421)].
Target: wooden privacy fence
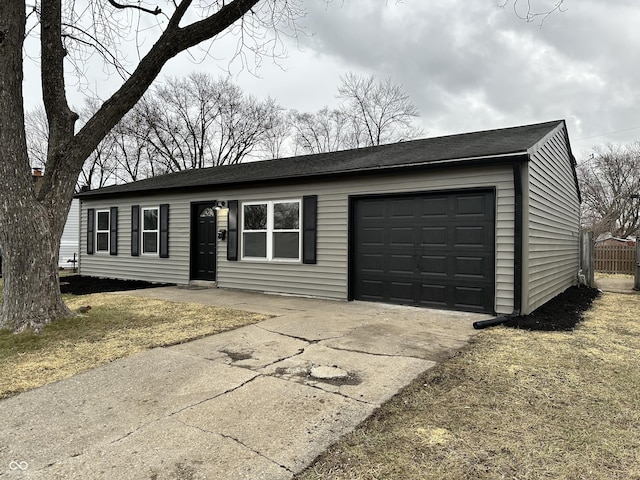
[(615, 259)]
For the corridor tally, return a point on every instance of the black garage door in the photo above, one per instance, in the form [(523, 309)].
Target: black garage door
[(432, 250)]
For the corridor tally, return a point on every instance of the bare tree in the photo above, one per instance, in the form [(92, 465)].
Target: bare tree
[(31, 223), (132, 148), (381, 112), (372, 113), (242, 124), (37, 133), (325, 131), (277, 134), (99, 169), (198, 122), (610, 183)]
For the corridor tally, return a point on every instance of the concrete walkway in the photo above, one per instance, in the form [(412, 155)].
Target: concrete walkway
[(259, 402)]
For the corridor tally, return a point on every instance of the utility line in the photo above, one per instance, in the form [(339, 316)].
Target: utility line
[(605, 134)]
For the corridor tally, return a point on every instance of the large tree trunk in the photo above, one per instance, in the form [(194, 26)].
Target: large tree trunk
[(31, 293), (29, 231)]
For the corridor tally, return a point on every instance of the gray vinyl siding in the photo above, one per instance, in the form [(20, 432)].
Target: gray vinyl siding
[(329, 276), (174, 269), (552, 228)]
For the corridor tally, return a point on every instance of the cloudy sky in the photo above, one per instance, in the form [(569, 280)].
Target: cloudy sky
[(467, 65)]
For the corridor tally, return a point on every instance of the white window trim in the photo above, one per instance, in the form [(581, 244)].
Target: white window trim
[(107, 231), (270, 231), (156, 231)]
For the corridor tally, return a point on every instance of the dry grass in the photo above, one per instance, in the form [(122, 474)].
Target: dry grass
[(514, 405), (116, 326)]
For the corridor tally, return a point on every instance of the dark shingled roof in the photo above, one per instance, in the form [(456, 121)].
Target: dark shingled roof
[(448, 150)]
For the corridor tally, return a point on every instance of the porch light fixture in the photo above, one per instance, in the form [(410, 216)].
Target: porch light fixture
[(220, 204)]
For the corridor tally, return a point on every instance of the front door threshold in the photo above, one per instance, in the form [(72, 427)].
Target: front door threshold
[(203, 283)]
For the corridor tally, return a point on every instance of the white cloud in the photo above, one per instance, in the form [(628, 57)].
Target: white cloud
[(466, 65)]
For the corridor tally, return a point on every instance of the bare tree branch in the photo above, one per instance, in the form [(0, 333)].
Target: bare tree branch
[(120, 6), (608, 181), (529, 15)]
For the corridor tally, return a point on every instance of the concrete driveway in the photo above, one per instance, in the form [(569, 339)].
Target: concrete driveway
[(259, 402)]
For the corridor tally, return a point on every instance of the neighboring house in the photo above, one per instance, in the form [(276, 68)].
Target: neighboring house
[(70, 240), (485, 222), (610, 241)]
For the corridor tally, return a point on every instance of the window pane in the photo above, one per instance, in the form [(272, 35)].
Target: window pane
[(103, 221), (255, 244), (149, 242), (285, 245), (255, 217), (150, 219), (208, 212), (102, 241), (286, 216)]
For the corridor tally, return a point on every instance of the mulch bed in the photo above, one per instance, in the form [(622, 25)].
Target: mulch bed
[(81, 285), (562, 313)]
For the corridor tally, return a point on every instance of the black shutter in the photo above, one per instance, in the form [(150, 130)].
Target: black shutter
[(309, 228), (135, 230), (91, 223), (113, 231), (164, 230), (232, 234)]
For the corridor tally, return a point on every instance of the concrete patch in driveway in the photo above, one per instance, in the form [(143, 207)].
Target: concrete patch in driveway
[(370, 378)]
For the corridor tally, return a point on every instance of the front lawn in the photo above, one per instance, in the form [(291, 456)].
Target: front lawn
[(115, 327), (515, 404)]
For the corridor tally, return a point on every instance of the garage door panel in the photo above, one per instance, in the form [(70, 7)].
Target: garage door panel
[(433, 265), (433, 295), (400, 292), (432, 250), (372, 209), (373, 236), (401, 264), (470, 205), (470, 236), (402, 236), (372, 290), (372, 263), (471, 299), (434, 207), (433, 236), (402, 208), (468, 267)]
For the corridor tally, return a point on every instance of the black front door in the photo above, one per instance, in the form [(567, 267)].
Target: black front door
[(203, 241)]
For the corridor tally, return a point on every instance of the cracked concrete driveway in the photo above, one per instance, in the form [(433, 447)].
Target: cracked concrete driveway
[(259, 402)]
